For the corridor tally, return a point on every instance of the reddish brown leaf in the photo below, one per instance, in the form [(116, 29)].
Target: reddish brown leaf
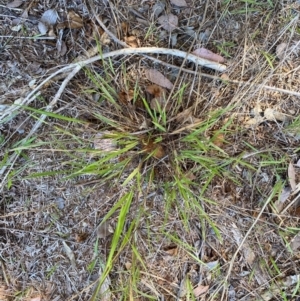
[(159, 152), (155, 149), (173, 251), (209, 55), (80, 237), (156, 90), (126, 96), (158, 78)]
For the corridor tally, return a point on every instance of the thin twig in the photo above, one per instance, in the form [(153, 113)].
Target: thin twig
[(30, 38), (233, 81)]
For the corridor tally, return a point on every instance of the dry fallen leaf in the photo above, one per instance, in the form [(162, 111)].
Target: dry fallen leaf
[(42, 28), (292, 176), (14, 4), (126, 97), (218, 140), (155, 149), (280, 50), (80, 237), (125, 28), (200, 289), (128, 265), (273, 115), (159, 152), (168, 22), (159, 101), (295, 243), (103, 230), (49, 17), (185, 115), (70, 254), (209, 55), (61, 48), (172, 251), (104, 144), (158, 78), (225, 76), (74, 21), (179, 2), (285, 193), (132, 41), (156, 91), (158, 8)]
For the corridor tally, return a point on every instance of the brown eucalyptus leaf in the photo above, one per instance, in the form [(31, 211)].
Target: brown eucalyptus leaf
[(168, 22), (159, 152), (209, 55), (158, 78), (184, 115), (132, 41), (179, 2), (156, 91), (200, 289), (14, 4), (126, 97), (74, 21)]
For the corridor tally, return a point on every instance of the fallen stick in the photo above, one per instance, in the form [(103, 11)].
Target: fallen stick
[(127, 51)]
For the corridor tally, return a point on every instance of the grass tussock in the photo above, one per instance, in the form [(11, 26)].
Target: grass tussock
[(134, 191)]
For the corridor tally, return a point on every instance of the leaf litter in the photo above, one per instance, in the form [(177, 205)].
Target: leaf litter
[(168, 22)]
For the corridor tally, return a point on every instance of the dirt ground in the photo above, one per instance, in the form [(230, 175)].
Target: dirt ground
[(146, 176)]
